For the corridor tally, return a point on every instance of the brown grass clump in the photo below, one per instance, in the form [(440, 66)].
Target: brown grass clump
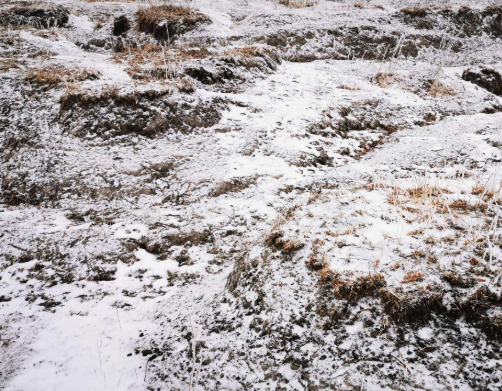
[(415, 12), (384, 80), (276, 240), (53, 76), (439, 89), (486, 192), (352, 290), (455, 279), (413, 306), (464, 206), (316, 261), (178, 20), (233, 186), (413, 276), (156, 62)]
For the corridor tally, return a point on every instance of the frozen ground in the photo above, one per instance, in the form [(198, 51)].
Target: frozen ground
[(283, 198)]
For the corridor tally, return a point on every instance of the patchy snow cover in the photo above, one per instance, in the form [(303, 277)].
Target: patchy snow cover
[(234, 221)]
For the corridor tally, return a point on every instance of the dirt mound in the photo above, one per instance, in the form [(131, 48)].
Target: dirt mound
[(466, 22), (486, 78), (35, 14), (121, 25), (343, 43), (145, 114), (165, 22), (236, 64)]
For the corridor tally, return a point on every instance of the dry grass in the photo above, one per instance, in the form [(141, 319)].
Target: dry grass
[(385, 80), (157, 62), (317, 260), (415, 12), (455, 279), (439, 89), (233, 186), (276, 241), (350, 289), (169, 12), (55, 75), (413, 276), (178, 19), (487, 192)]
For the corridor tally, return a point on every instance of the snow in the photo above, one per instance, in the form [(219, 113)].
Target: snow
[(147, 284)]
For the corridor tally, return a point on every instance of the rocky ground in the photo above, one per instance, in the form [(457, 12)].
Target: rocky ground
[(250, 194)]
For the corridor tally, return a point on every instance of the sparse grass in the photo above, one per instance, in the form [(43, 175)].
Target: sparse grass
[(349, 289), (277, 241), (415, 12), (235, 185), (439, 89), (178, 19), (317, 260), (55, 75), (157, 62), (413, 276), (384, 80)]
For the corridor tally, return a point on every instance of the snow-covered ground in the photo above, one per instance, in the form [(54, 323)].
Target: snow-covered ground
[(290, 199)]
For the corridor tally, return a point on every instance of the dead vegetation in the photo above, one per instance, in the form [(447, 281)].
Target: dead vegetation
[(413, 276), (277, 241), (440, 89), (158, 62), (235, 185), (351, 289), (385, 79), (166, 22), (57, 75)]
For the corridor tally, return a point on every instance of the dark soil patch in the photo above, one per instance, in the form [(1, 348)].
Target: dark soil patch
[(35, 14), (466, 22), (486, 78), (146, 114), (368, 42), (121, 25)]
